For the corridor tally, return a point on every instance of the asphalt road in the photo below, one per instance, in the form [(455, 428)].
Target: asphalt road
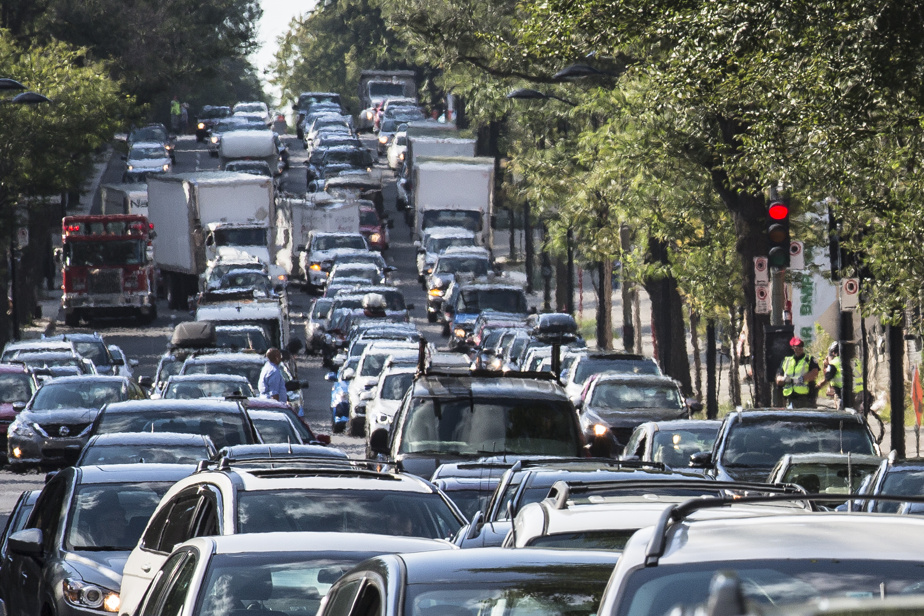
[(146, 344)]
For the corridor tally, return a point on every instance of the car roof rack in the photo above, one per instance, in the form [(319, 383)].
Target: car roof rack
[(557, 462), (563, 490), (296, 463), (677, 513)]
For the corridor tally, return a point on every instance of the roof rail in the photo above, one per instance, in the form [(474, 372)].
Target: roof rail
[(562, 491), (312, 463), (603, 462), (677, 513)]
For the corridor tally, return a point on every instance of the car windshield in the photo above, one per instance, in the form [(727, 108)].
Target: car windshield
[(610, 540), (592, 365), (225, 429), (834, 478), (903, 482), (94, 350), (500, 300), (211, 113), (112, 252), (242, 339), (554, 590), (218, 271), (151, 454), (623, 396), (275, 429), (469, 502), (473, 426), (331, 242), (16, 387), (467, 219), (147, 153), (762, 444), (439, 244), (369, 218), (279, 582), (77, 394), (250, 370), (674, 447), (240, 237), (379, 512), (252, 169), (653, 591), (186, 390), (149, 133), (395, 386), (477, 266), (111, 516)]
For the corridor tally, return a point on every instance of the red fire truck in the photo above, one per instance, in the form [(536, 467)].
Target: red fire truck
[(107, 268)]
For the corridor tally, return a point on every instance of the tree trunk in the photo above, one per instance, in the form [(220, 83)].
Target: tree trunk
[(697, 360), (667, 326), (749, 213), (604, 306)]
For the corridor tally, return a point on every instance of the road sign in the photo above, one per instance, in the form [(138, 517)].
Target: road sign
[(850, 293), (761, 270), (762, 295), (796, 255)]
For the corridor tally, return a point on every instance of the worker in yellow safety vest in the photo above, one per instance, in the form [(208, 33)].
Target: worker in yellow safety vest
[(796, 375), (834, 375)]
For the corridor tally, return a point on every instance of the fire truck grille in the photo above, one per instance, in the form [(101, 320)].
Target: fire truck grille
[(105, 281)]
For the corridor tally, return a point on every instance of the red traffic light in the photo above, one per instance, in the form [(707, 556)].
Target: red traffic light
[(778, 210)]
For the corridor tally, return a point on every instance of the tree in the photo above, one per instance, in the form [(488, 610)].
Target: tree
[(47, 150)]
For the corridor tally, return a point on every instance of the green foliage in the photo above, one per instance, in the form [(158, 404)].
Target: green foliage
[(327, 49), (46, 147)]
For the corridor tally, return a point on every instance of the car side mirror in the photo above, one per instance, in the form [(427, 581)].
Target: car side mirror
[(146, 382), (18, 406), (348, 374), (694, 405), (330, 376), (378, 441), (26, 542), (701, 459)]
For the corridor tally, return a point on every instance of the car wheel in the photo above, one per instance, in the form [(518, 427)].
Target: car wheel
[(357, 426)]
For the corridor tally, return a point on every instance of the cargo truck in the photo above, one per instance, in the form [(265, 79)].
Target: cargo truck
[(202, 216), (375, 87), (297, 218), (124, 199), (249, 145), (454, 192), (106, 271)]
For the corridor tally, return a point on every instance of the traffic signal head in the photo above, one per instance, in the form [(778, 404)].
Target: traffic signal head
[(778, 234)]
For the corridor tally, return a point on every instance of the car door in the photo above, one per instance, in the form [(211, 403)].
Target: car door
[(171, 586), (192, 512), (48, 514), (9, 569)]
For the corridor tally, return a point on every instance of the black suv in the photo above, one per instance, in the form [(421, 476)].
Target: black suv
[(448, 417)]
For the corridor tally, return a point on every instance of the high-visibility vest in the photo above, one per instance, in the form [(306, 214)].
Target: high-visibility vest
[(175, 108), (795, 368), (858, 384), (838, 380)]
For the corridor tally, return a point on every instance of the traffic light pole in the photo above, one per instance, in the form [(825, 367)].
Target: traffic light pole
[(777, 300)]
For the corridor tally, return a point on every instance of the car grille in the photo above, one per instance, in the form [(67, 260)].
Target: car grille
[(54, 430), (105, 281)]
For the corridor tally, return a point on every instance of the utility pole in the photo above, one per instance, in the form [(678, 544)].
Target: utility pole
[(897, 384)]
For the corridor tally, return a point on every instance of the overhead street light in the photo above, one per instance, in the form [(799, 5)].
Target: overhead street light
[(10, 84), (579, 71), (530, 94), (28, 98)]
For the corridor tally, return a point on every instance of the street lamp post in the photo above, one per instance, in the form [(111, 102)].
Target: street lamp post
[(23, 98)]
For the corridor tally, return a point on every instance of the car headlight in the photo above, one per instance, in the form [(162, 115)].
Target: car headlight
[(375, 238), (201, 125), (315, 267), (496, 363), (214, 139), (600, 430), (458, 332), (383, 139), (370, 115), (18, 428), (81, 594), (166, 167), (436, 292), (131, 167), (401, 156)]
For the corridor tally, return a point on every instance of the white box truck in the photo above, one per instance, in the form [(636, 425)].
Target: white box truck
[(201, 216), (124, 199), (297, 218), (249, 145), (431, 146), (454, 192)]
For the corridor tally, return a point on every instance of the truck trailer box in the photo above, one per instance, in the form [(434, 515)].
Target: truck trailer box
[(443, 184), (248, 145), (305, 216), (430, 146), (124, 199)]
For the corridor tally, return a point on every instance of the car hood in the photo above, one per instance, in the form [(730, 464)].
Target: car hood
[(60, 416), (148, 164), (756, 474), (630, 417), (102, 567)]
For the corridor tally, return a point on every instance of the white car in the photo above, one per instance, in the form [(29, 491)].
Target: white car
[(255, 109), (397, 149), (146, 158), (126, 368), (371, 363), (384, 399)]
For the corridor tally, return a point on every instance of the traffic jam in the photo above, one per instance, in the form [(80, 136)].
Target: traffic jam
[(464, 454)]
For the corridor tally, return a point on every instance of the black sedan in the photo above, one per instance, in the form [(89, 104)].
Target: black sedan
[(68, 558)]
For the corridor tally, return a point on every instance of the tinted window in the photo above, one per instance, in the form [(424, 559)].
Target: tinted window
[(762, 444), (156, 454), (111, 516), (78, 394), (362, 511), (481, 427), (224, 429), (623, 396), (595, 365), (16, 387), (396, 385)]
